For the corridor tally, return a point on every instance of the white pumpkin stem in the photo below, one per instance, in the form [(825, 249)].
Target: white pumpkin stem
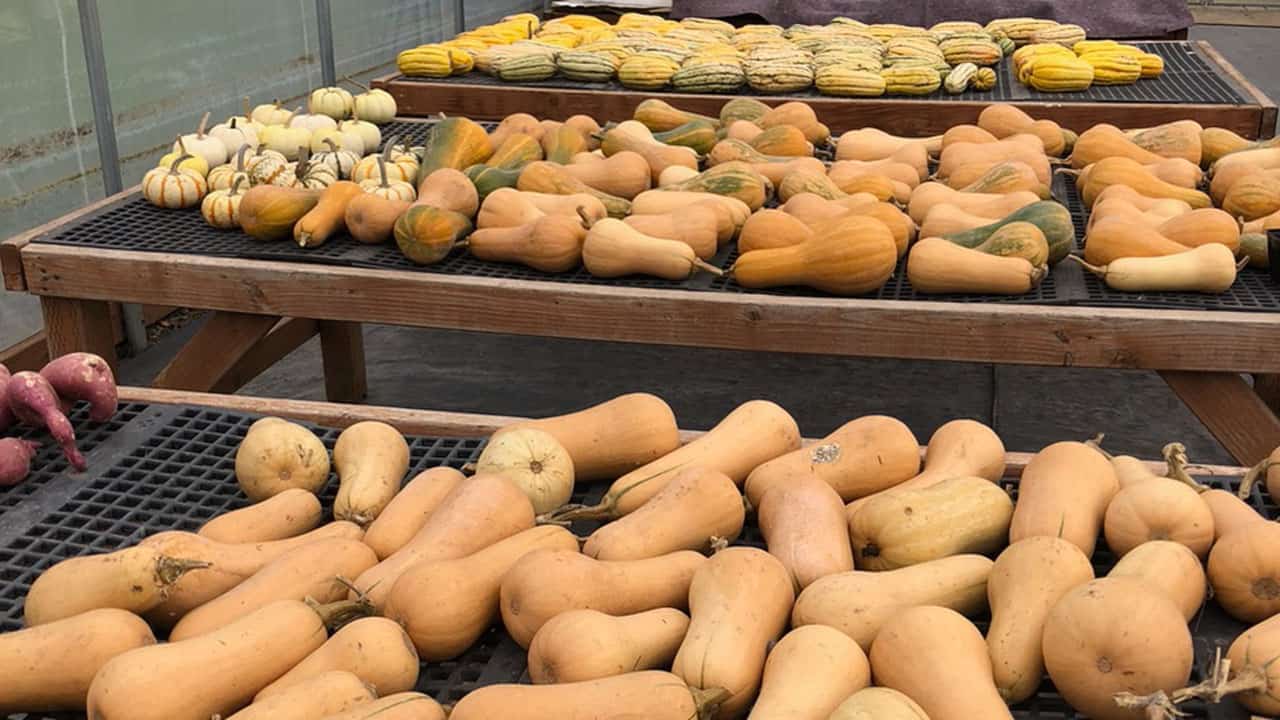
[(182, 146), (204, 120), (244, 148), (304, 162), (391, 144), (333, 147), (382, 170), (235, 186), (247, 110), (289, 120), (357, 83), (173, 166)]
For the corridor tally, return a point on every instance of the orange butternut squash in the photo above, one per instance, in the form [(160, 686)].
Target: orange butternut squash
[(1180, 140), (935, 656), (800, 115), (842, 171), (426, 234), (1126, 171), (650, 694), (769, 228), (370, 459), (545, 583), (937, 265), (1159, 509), (400, 706), (404, 516), (1231, 169), (449, 189), (331, 692), (1245, 572), (284, 515), (1104, 141), (446, 605), (269, 212), (374, 649), (624, 174), (515, 124), (371, 219), (581, 645), (878, 703), (1064, 492), (808, 673), (966, 133), (613, 248), (858, 603), (1168, 568), (1020, 148), (854, 258), (552, 243), (998, 177), (1003, 120), (804, 526), (658, 155), (697, 226), (782, 140), (657, 202), (945, 219), (1027, 580), (1254, 196), (694, 511), (873, 144), (574, 204), (136, 579), (1252, 681), (739, 602), (546, 177), (1114, 238), (930, 194)]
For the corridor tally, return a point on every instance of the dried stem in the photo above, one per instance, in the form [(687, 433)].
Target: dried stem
[(1175, 459), (1251, 478)]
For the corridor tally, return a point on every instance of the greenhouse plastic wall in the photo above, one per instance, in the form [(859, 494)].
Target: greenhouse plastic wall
[(166, 64)]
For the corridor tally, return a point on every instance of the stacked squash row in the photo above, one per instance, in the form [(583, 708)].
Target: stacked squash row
[(874, 561)]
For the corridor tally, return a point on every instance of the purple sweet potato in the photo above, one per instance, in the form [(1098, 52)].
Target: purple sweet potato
[(35, 403), (15, 460), (6, 415), (84, 376)]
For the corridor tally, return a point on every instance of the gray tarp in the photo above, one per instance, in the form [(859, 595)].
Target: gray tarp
[(1100, 18)]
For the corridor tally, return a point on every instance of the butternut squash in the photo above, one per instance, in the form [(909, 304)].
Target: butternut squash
[(694, 511), (1064, 492), (1251, 680), (822, 215), (446, 605), (545, 583), (574, 204), (946, 219), (1180, 140), (371, 459), (930, 194), (1159, 509), (1245, 572), (1027, 580), (136, 579), (658, 202), (561, 145), (507, 208), (1111, 636), (742, 130), (858, 603), (804, 526), (371, 219), (581, 645), (1209, 269), (284, 515), (1003, 120), (1141, 202), (1229, 512), (842, 171), (859, 458), (456, 143), (1236, 166), (960, 448), (401, 706), (175, 678), (650, 694), (856, 180), (614, 249), (769, 228), (545, 177), (967, 133), (1125, 171), (659, 156), (753, 433), (854, 258), (813, 209), (1169, 568), (1161, 213), (873, 144), (1254, 196), (515, 124), (328, 693), (938, 658), (405, 515), (478, 513), (551, 244), (449, 189), (808, 673), (311, 572), (1027, 149), (229, 564), (49, 668), (269, 212), (516, 151), (1177, 171), (783, 140), (1263, 224), (935, 265), (1104, 141), (374, 649), (697, 226), (1114, 238), (427, 234), (878, 703), (800, 115), (624, 174), (795, 183), (739, 601), (615, 436), (1004, 176), (1190, 229)]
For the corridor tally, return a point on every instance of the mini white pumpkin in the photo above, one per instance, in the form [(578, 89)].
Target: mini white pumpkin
[(376, 106), (221, 208), (535, 461), (192, 162), (223, 176), (233, 134), (286, 139), (345, 140), (340, 161), (270, 114), (383, 188), (203, 144), (174, 187), (367, 131), (245, 120), (313, 122), (332, 101), (311, 175), (403, 168), (268, 168)]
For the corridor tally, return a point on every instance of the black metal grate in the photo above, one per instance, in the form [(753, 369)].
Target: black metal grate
[(176, 471), (1188, 78)]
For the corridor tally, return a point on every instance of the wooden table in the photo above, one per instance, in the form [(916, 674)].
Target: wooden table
[(266, 309), (1255, 118)]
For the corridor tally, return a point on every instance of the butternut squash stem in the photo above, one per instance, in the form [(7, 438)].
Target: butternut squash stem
[(709, 701), (1175, 459), (1100, 271), (1095, 442), (587, 222), (1251, 478), (1156, 706), (336, 614), (607, 508), (700, 264), (1220, 684), (169, 570)]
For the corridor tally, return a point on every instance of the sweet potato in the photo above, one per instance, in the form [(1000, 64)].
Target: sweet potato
[(34, 402), (15, 460), (6, 415), (84, 376)]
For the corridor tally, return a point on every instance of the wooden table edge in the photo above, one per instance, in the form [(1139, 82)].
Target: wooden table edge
[(11, 249)]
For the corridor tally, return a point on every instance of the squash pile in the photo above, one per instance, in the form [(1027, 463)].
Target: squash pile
[(872, 567), (845, 58)]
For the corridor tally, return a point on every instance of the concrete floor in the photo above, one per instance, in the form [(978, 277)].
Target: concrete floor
[(1029, 407)]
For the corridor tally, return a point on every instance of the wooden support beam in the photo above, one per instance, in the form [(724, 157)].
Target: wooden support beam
[(342, 347), (29, 354), (1231, 410), (284, 338), (79, 325), (215, 350)]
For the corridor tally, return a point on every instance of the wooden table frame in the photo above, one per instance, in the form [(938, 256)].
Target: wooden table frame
[(264, 310), (901, 116)]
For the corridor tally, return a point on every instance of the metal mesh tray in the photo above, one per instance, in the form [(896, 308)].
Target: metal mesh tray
[(1188, 78), (172, 467)]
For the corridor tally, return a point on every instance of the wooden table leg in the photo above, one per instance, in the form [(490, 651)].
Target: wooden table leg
[(342, 347), (1268, 388), (216, 348), (1231, 410), (79, 326)]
